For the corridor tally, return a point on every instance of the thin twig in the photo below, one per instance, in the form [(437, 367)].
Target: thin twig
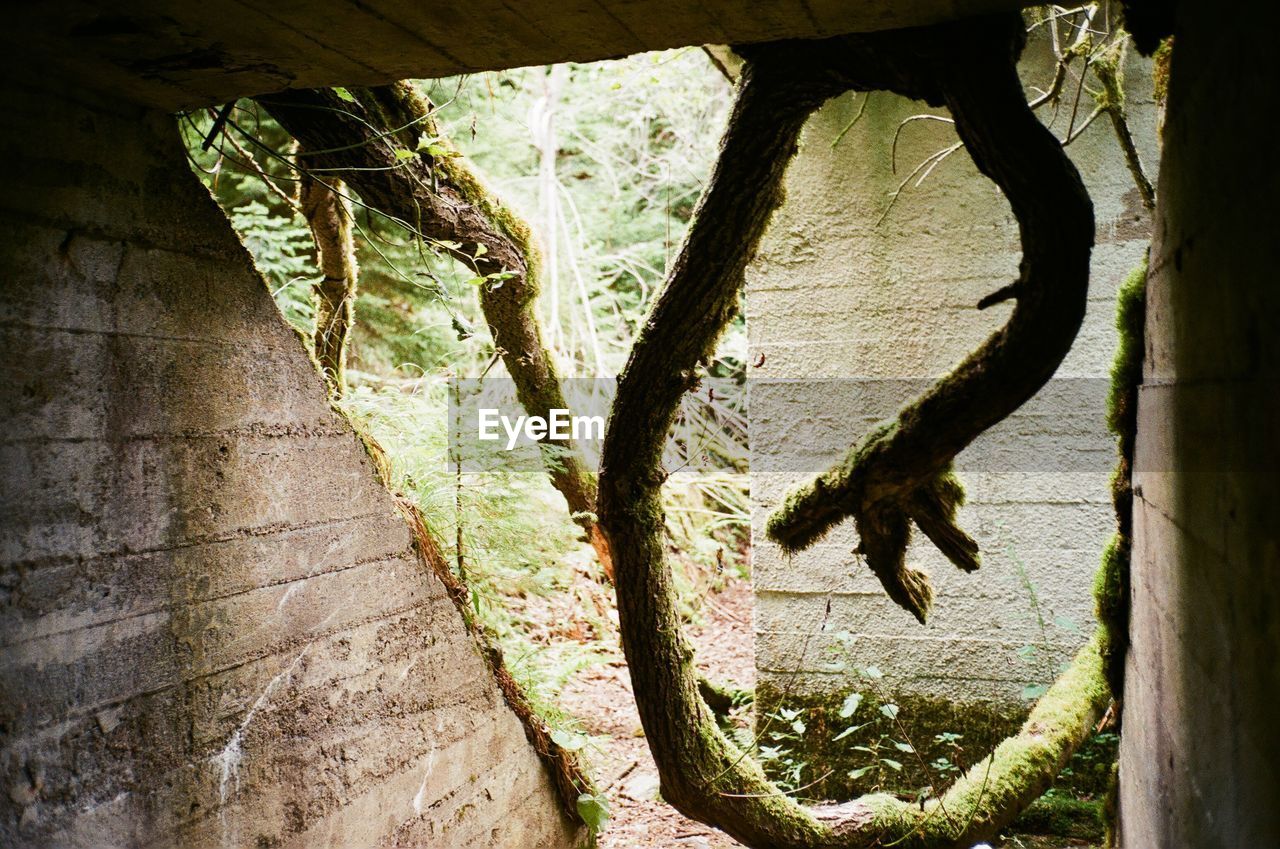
[(849, 126), (893, 148), (252, 164)]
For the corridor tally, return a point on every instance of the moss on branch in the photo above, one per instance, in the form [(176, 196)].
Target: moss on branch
[(372, 136), (901, 473)]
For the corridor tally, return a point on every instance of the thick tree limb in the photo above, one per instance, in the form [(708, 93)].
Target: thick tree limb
[(970, 65), (900, 471), (373, 141)]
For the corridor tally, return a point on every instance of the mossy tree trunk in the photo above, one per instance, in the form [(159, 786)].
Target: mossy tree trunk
[(372, 137), (971, 67), (328, 215)]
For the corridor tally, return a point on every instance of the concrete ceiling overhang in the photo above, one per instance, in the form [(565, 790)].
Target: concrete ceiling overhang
[(177, 54)]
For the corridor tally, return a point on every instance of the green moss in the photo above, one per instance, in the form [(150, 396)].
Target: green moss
[(1111, 809), (1160, 70), (1126, 369), (1111, 607), (1062, 816), (1111, 587)]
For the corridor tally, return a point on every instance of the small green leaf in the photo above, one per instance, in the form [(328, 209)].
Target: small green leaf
[(798, 726), (850, 730), (1066, 623), (476, 281), (403, 155), (568, 740), (594, 810), (889, 710), (788, 714), (860, 771), (892, 764), (872, 672), (904, 747), (481, 250), (343, 94), (850, 706)]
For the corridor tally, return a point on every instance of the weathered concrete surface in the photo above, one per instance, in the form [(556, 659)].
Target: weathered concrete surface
[(834, 296), (213, 628), (1200, 755), (177, 54)]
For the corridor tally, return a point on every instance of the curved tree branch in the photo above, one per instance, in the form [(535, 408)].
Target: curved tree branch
[(970, 66), (900, 472), (371, 137)]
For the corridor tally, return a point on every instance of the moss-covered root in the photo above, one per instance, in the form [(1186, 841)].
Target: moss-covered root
[(884, 528), (722, 698), (992, 794)]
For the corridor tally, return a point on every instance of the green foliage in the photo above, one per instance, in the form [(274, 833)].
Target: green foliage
[(635, 139), (594, 810), (282, 249), (1062, 815), (515, 541)]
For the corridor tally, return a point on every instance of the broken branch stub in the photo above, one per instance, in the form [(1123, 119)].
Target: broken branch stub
[(902, 472)]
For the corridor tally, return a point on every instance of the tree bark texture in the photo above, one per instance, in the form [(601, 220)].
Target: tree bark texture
[(372, 140), (328, 215), (969, 66), (900, 473)]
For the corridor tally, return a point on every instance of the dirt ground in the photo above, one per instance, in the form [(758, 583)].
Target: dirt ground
[(601, 698), (622, 766)]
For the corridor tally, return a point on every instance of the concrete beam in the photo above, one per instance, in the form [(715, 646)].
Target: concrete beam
[(178, 54)]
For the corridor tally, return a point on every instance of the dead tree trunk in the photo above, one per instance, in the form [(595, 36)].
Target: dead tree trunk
[(329, 216), (374, 139), (971, 67)]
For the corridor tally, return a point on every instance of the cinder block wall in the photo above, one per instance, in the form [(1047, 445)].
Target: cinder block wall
[(853, 318), (1200, 754), (213, 628)]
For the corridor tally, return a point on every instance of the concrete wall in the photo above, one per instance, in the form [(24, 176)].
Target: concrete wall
[(1200, 754), (836, 296), (213, 628)]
